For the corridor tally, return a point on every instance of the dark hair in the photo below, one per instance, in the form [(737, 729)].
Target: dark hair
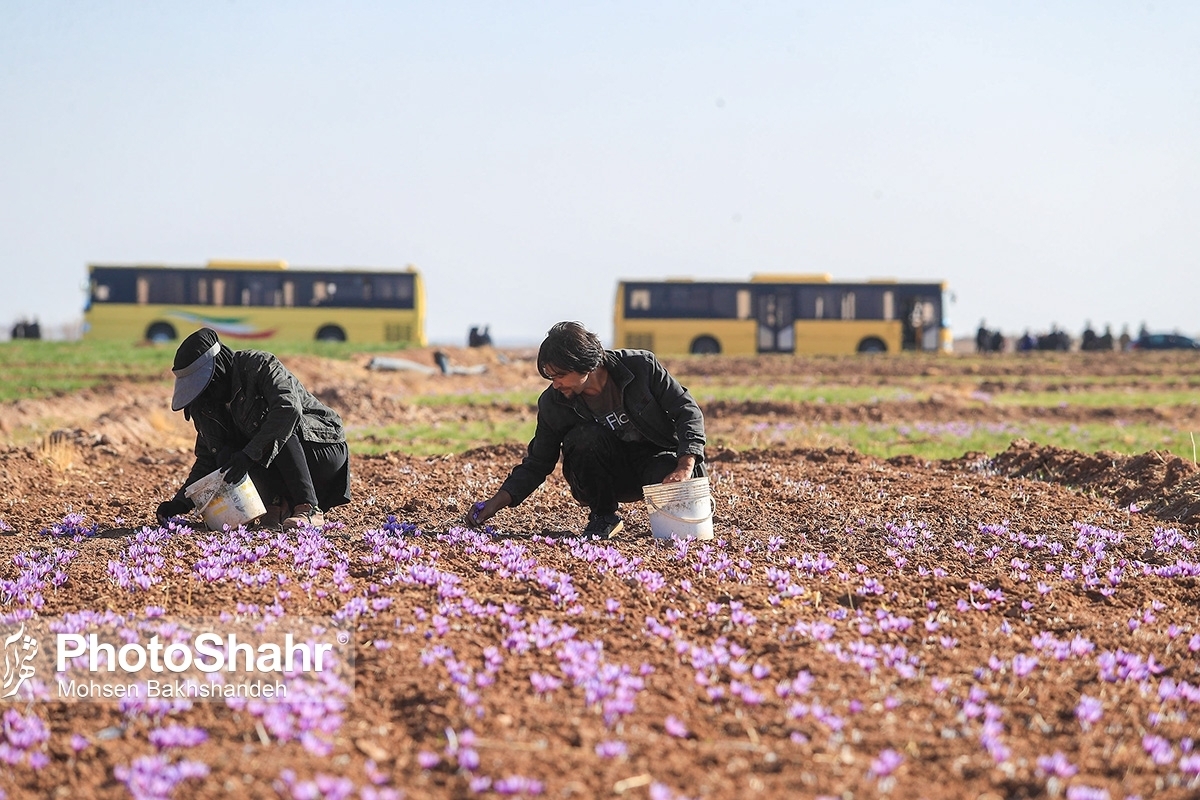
[(569, 347)]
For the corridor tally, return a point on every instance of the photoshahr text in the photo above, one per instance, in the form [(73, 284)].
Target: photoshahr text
[(207, 653)]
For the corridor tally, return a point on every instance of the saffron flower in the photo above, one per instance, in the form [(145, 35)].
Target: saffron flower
[(886, 763), (610, 749), (675, 727)]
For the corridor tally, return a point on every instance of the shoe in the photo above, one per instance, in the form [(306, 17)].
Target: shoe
[(603, 525), (304, 515), (274, 517)]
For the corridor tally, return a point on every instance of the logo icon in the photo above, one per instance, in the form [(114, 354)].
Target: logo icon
[(19, 652)]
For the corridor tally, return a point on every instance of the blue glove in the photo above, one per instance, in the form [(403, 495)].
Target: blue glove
[(237, 466)]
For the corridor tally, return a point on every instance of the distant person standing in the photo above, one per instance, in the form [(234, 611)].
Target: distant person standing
[(24, 329), (1088, 342), (252, 416), (619, 420), (479, 337)]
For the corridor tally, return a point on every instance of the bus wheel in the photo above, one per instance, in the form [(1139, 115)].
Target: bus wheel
[(706, 345), (160, 332), (331, 333), (872, 345)]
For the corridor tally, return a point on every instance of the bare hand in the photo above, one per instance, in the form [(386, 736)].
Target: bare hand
[(677, 476), (683, 470), (484, 510)]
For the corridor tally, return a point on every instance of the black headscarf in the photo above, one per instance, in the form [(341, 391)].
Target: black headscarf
[(220, 385)]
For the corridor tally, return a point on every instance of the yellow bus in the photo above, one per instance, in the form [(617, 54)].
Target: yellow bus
[(808, 314), (255, 301)]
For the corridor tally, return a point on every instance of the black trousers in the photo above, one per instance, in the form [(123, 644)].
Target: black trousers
[(305, 472), (603, 471)]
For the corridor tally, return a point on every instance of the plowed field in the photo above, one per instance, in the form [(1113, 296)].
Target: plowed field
[(1022, 623)]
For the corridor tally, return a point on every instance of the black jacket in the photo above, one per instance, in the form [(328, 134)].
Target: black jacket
[(658, 406), (268, 405)]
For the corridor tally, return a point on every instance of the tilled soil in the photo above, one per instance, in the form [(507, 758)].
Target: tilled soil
[(1016, 624)]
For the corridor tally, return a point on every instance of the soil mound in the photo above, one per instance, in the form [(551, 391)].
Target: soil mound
[(1153, 482)]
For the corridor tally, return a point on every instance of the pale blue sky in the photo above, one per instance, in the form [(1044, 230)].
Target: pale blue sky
[(1043, 157)]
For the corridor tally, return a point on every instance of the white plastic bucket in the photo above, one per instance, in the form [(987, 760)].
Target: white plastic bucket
[(222, 503), (681, 510)]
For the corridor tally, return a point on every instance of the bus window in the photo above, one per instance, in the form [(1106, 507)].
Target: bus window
[(724, 302), (403, 290), (870, 302), (816, 303), (743, 304), (351, 291), (272, 292), (289, 294), (204, 289), (304, 291), (847, 305), (160, 288), (889, 304), (389, 291), (262, 290), (688, 301), (322, 291), (114, 286)]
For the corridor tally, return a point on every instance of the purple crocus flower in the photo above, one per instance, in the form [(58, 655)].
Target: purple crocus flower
[(1088, 711), (177, 736), (675, 727), (1158, 748), (886, 763), (1079, 792), (1057, 765), (1023, 664), (610, 749)]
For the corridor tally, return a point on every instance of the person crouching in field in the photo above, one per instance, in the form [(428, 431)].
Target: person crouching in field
[(620, 421), (253, 416)]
